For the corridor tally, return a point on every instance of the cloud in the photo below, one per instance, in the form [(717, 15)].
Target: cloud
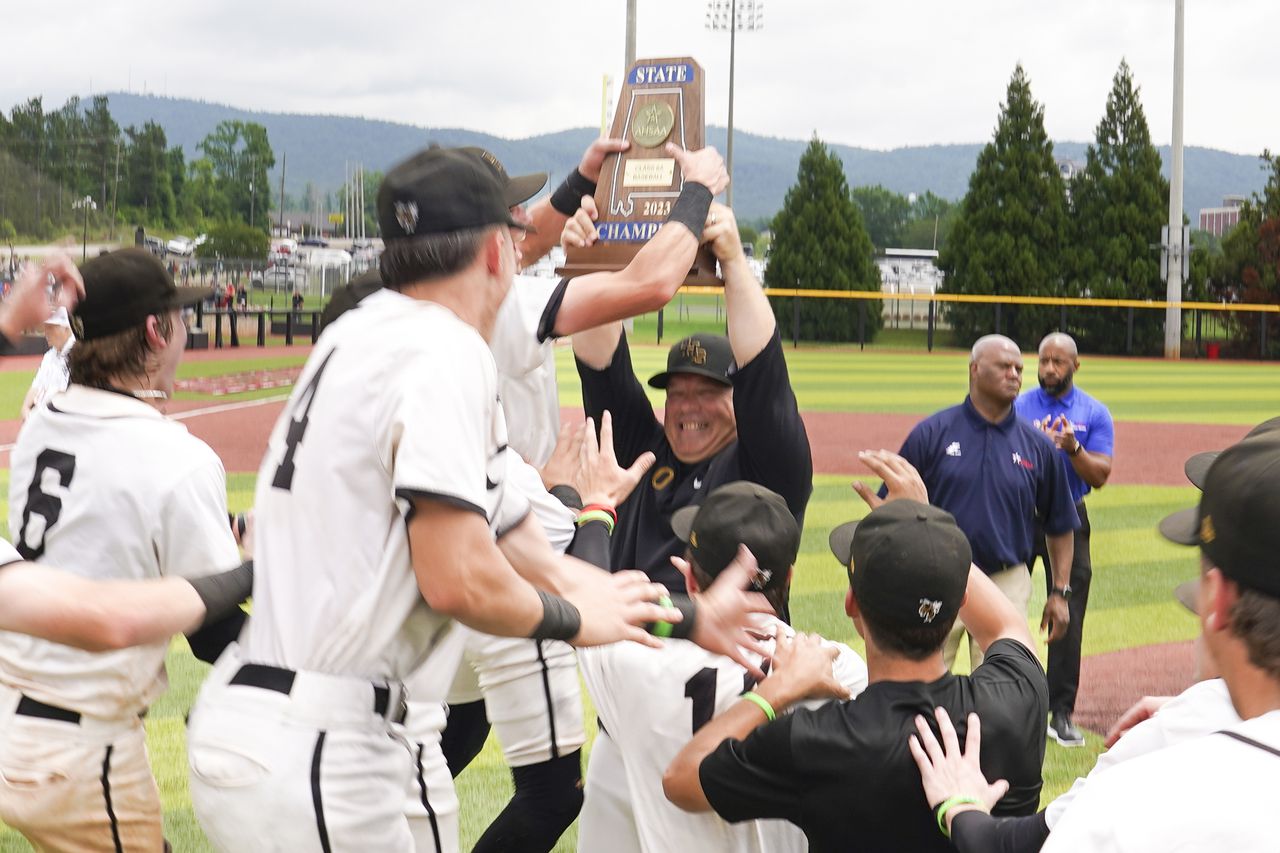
[(914, 72)]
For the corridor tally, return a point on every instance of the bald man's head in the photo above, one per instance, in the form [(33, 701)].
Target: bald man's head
[(1059, 361), (1062, 341), (989, 343), (995, 372)]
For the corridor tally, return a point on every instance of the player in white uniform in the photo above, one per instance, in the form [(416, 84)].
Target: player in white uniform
[(529, 690), (52, 376), (378, 503), (104, 485), (652, 701)]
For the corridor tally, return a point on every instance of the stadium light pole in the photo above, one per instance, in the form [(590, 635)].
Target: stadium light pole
[(726, 15), (88, 204), (1174, 246)]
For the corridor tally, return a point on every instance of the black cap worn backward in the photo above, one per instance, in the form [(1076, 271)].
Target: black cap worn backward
[(123, 288), (438, 191), (699, 355), (515, 190), (909, 563), (1196, 467), (741, 513), (1237, 524)]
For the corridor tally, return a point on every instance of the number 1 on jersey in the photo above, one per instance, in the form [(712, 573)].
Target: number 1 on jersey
[(297, 428)]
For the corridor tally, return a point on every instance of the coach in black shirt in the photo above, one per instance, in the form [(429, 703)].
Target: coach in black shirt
[(730, 414), (843, 772)]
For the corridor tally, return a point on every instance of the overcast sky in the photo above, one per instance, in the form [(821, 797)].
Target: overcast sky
[(873, 74)]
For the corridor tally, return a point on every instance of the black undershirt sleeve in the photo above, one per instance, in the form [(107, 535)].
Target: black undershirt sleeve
[(772, 443), (212, 638), (547, 323), (591, 544), (7, 346), (616, 388), (979, 832)]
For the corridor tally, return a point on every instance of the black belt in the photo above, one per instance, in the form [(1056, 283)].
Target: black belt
[(280, 680), (29, 707)]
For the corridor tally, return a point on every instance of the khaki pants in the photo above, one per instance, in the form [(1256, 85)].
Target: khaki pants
[(79, 788), (1015, 583)]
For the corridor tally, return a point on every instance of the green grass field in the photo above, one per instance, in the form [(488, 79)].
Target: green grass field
[(1135, 570)]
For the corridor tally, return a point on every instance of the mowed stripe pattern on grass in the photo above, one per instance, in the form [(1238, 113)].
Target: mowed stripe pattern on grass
[(849, 380)]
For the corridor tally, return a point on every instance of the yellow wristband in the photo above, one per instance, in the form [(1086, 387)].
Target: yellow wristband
[(761, 703)]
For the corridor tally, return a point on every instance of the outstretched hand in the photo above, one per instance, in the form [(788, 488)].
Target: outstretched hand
[(802, 669), (900, 477), (947, 772), (725, 609), (601, 480)]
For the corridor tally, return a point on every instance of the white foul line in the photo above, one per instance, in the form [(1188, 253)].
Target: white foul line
[(228, 407), (208, 410)]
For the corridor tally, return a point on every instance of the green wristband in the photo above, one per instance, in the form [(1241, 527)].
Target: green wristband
[(595, 515), (760, 702), (947, 805), (663, 629)]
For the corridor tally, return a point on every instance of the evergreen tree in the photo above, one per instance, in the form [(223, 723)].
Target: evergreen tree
[(1009, 237), (1118, 203), (102, 150), (820, 243)]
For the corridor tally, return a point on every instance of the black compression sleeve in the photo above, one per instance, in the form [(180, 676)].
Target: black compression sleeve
[(979, 832), (591, 543), (223, 592), (560, 619), (212, 638), (567, 197), (567, 495)]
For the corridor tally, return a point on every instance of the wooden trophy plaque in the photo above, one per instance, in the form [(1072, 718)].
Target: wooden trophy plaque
[(661, 102)]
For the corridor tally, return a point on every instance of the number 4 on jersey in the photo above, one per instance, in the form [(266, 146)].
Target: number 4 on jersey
[(297, 428)]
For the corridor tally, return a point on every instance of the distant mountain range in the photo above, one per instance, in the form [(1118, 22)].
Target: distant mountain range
[(764, 167)]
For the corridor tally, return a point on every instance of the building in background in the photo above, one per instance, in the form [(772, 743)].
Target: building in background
[(1219, 220)]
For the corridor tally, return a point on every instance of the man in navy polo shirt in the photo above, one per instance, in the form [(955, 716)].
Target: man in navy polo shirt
[(998, 474), (1081, 429)]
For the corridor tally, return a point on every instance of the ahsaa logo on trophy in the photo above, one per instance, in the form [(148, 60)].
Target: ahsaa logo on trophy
[(661, 102)]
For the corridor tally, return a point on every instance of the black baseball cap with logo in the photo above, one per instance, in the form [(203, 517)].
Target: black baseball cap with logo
[(1197, 466), (123, 288), (908, 563), (700, 355), (440, 190), (1237, 524), (515, 190), (741, 513)]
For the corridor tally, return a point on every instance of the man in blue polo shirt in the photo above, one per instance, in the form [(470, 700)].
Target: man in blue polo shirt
[(1081, 429), (998, 475)]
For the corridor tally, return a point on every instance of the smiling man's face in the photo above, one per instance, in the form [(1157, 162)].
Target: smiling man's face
[(699, 420)]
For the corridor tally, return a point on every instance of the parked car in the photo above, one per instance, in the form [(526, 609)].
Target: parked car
[(278, 278), (155, 246), (181, 246), (315, 241)]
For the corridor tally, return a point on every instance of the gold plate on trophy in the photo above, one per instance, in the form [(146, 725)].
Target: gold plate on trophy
[(653, 124)]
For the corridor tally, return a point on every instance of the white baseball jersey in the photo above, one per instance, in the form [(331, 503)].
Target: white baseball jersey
[(52, 375), (398, 401), (8, 554), (650, 703), (527, 369), (105, 486)]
